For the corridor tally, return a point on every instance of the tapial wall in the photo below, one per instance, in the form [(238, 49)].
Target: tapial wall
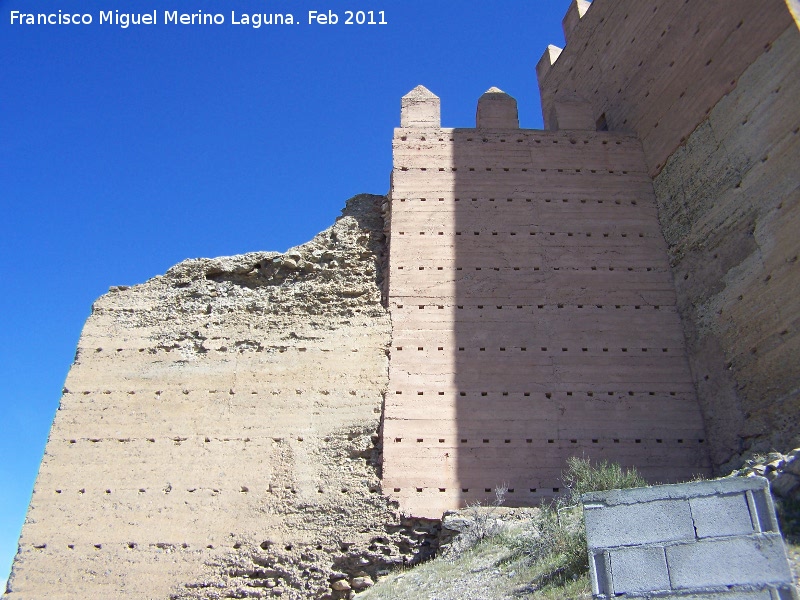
[(711, 88), (218, 433), (533, 312)]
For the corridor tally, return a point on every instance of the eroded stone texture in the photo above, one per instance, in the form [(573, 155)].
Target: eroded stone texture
[(729, 200), (533, 315), (218, 432)]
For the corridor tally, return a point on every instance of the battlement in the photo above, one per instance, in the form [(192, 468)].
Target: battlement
[(655, 69), (420, 108)]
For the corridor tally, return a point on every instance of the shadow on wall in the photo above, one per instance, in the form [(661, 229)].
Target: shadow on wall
[(567, 338), (533, 311)]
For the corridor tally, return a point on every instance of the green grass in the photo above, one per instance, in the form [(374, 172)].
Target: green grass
[(487, 571), (581, 477), (556, 540), (544, 558)]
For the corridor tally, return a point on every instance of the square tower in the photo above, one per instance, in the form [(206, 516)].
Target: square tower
[(533, 313)]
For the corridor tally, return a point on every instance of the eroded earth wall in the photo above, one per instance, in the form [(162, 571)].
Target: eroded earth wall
[(711, 89), (533, 312), (217, 433)]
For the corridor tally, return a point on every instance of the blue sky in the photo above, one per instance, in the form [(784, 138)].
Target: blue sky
[(125, 151)]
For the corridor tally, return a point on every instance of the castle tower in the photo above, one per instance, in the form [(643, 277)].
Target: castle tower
[(533, 311)]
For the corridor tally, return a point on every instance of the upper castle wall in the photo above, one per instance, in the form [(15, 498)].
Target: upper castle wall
[(711, 90), (656, 69)]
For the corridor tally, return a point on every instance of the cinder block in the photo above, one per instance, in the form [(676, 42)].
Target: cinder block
[(727, 486), (718, 516), (638, 569), (728, 561), (734, 595), (646, 523)]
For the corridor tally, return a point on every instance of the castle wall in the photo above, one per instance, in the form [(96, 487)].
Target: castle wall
[(711, 89), (729, 199), (217, 432), (656, 69), (533, 317)]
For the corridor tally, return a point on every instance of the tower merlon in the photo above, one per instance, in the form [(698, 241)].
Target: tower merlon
[(497, 110), (548, 59), (420, 108), (576, 11)]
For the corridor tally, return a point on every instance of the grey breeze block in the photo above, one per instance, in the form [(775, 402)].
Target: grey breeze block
[(695, 541)]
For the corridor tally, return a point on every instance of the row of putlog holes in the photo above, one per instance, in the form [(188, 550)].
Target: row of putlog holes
[(178, 439), (549, 395), (539, 306), (572, 141), (551, 441), (541, 348), (168, 546), (216, 491), (522, 170), (533, 233), (547, 200), (595, 268)]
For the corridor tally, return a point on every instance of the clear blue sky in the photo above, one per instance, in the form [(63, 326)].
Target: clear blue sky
[(125, 151)]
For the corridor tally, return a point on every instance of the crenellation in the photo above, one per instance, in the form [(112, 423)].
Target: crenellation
[(497, 110), (420, 109), (546, 62), (577, 9)]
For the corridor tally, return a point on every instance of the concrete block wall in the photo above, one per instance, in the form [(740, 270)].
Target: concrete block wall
[(533, 317), (711, 539), (710, 88)]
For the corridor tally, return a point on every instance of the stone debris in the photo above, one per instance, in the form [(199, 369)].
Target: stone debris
[(781, 470)]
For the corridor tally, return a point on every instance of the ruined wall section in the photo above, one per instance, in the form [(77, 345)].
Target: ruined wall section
[(533, 317), (711, 89), (218, 432)]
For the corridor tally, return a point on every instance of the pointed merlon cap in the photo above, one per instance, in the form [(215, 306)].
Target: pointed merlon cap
[(548, 59), (575, 13), (496, 110), (420, 108)]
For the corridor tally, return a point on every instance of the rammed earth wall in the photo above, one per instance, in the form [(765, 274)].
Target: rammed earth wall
[(218, 432), (533, 313), (710, 89), (620, 286)]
